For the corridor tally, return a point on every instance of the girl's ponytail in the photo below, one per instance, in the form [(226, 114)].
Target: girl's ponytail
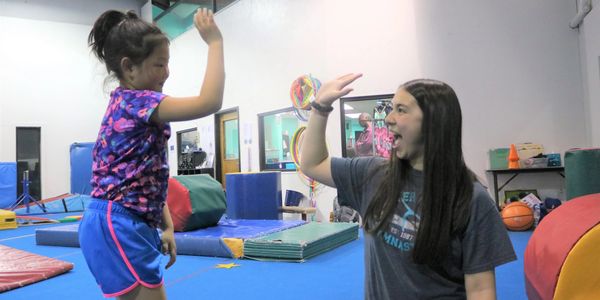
[(101, 29), (116, 35)]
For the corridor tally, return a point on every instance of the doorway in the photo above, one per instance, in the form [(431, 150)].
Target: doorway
[(227, 143), (29, 159)]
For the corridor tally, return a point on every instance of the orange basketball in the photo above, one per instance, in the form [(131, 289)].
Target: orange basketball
[(517, 216)]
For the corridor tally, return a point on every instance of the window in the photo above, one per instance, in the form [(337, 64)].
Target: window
[(232, 144), (276, 129)]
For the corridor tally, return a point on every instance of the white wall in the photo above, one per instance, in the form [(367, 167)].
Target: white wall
[(589, 42), (49, 79), (270, 43), (514, 65)]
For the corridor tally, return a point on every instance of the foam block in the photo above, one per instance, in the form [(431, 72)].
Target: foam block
[(565, 242), (254, 195), (64, 236), (195, 201), (8, 184), (579, 273), (582, 172), (81, 168)]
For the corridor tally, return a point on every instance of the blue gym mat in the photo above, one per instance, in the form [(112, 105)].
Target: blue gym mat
[(214, 241), (252, 280), (60, 204), (8, 184)]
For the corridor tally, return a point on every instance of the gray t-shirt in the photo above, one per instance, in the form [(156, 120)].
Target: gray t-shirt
[(390, 272)]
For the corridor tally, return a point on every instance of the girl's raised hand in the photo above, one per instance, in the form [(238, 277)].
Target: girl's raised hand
[(205, 23), (334, 89)]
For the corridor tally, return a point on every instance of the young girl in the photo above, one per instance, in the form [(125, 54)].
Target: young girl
[(431, 230), (118, 233)]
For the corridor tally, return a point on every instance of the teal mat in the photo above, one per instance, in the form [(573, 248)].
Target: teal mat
[(300, 243), (582, 172)]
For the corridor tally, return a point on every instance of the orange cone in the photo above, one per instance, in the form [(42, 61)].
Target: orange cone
[(513, 158)]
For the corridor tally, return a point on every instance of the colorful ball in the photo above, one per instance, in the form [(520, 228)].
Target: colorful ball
[(517, 216)]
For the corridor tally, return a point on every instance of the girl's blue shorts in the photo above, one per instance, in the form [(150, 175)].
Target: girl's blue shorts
[(121, 250)]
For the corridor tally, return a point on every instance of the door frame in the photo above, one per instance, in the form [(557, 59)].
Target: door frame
[(217, 135)]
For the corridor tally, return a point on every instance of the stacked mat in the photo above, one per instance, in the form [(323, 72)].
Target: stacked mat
[(227, 239), (300, 243)]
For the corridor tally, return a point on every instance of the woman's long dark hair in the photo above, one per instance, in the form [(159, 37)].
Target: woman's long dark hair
[(116, 35), (444, 207)]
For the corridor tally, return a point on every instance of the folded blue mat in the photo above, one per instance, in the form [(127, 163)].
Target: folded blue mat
[(211, 241)]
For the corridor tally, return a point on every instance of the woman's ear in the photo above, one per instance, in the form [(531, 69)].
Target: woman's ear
[(127, 68)]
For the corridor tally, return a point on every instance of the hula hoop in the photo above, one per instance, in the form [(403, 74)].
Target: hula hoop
[(295, 153), (303, 90), (301, 114)]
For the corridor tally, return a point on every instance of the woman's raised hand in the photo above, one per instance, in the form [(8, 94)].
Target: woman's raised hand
[(334, 89)]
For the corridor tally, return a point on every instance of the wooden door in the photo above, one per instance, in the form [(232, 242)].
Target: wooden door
[(229, 144)]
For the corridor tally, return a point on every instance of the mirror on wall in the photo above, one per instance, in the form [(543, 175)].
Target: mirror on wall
[(364, 132), (189, 154), (275, 132)]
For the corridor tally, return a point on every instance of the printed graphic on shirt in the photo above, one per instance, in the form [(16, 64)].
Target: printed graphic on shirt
[(402, 230)]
